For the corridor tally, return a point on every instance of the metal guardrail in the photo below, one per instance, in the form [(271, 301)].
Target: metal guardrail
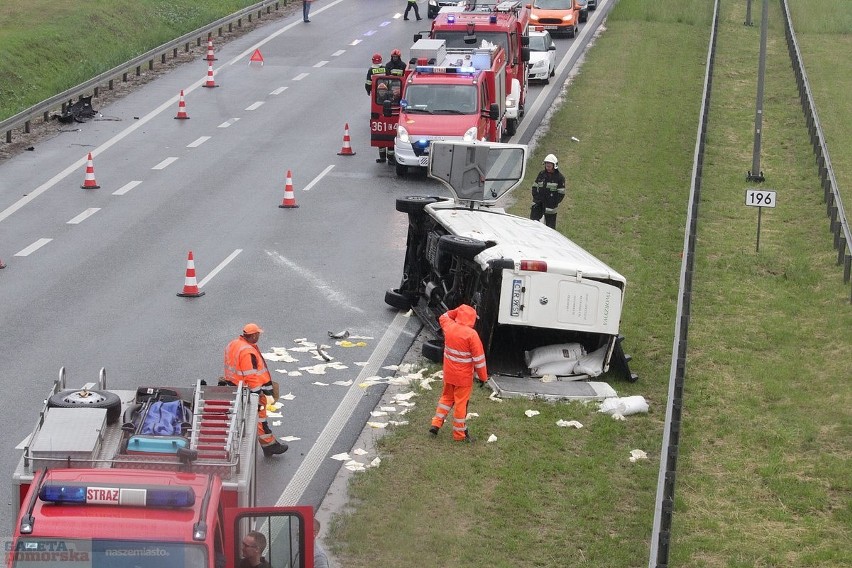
[(839, 223), (23, 120)]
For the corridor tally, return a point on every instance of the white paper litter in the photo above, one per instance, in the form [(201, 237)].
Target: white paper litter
[(548, 378), (274, 414), (493, 397), (288, 396), (397, 422), (355, 467), (343, 383), (376, 413), (618, 417), (471, 415), (388, 408), (532, 413), (376, 462), (288, 438), (404, 396), (491, 438), (565, 423), (377, 424), (341, 457), (391, 367), (319, 384), (359, 452), (625, 406), (575, 139), (636, 455), (280, 354), (276, 423)]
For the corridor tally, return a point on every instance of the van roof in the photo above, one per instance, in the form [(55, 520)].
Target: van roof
[(519, 238)]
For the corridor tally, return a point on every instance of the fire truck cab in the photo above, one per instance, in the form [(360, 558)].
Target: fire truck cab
[(457, 94), (504, 24), (159, 476)]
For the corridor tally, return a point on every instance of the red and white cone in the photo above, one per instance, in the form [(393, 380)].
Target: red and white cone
[(181, 114), (210, 82), (347, 147), (190, 286), (289, 197), (210, 56), (2, 265), (89, 182)]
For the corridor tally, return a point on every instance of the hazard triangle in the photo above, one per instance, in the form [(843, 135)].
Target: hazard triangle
[(256, 57)]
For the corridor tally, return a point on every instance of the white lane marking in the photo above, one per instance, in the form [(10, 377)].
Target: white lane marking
[(278, 91), (126, 187), (338, 53), (370, 33), (384, 24), (300, 76), (33, 247), (165, 163), (356, 42), (255, 106), (310, 465), (319, 177), (198, 142), (319, 64), (228, 123), (324, 288), (222, 265), (83, 216)]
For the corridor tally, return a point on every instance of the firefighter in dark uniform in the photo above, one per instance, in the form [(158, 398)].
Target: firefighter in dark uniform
[(375, 69), (548, 191), (396, 66)]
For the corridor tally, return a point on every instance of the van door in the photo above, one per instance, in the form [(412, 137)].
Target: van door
[(289, 534), (383, 128)]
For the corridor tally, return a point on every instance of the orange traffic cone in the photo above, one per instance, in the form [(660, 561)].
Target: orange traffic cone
[(347, 148), (289, 197), (210, 82), (182, 107), (190, 286), (2, 266), (89, 182), (210, 56)]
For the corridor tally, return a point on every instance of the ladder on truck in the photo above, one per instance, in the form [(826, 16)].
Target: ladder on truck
[(218, 421)]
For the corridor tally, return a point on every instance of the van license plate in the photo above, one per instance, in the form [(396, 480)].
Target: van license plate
[(424, 160), (516, 298)]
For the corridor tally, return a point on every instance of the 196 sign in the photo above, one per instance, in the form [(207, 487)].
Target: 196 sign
[(758, 198)]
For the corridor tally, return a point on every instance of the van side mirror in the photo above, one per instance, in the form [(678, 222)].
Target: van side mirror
[(525, 53), (525, 40), (494, 111)]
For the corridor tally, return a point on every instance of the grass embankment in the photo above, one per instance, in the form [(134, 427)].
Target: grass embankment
[(763, 472), (47, 46)]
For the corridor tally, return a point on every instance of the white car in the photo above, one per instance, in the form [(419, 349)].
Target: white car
[(542, 63)]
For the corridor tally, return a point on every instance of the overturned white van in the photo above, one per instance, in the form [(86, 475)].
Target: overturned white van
[(549, 311)]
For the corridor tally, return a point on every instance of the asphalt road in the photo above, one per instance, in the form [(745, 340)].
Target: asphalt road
[(93, 274)]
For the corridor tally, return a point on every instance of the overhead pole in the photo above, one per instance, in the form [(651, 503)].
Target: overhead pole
[(755, 174)]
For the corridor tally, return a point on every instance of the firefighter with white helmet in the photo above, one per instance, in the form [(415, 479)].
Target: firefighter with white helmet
[(377, 68), (548, 191)]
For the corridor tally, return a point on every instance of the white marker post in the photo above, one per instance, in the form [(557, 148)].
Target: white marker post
[(760, 199)]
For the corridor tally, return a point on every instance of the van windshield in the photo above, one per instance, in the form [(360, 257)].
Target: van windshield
[(441, 99), (80, 553), (455, 39), (553, 4)]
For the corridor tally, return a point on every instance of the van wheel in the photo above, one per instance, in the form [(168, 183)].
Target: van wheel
[(433, 350), (88, 399), (399, 300), (401, 170), (414, 203), (464, 247)]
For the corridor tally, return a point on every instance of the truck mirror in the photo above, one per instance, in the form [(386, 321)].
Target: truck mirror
[(525, 53), (525, 40), (494, 111), (481, 172), (387, 109), (417, 37)]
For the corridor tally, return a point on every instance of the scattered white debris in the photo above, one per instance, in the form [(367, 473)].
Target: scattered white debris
[(339, 335), (575, 139), (361, 337), (288, 438), (341, 457), (548, 378), (391, 367), (376, 462), (280, 354), (531, 413), (377, 424), (274, 414), (354, 466), (276, 423), (405, 403), (493, 397), (388, 408), (471, 415), (636, 455), (625, 406), (565, 424), (319, 384), (618, 417), (359, 452), (343, 383), (377, 413), (397, 422), (288, 396), (491, 438), (361, 363), (404, 395)]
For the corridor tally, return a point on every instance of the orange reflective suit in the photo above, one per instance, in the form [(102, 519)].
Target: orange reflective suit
[(463, 356), (244, 362)]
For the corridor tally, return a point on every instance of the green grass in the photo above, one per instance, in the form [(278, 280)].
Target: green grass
[(763, 476), (47, 46)]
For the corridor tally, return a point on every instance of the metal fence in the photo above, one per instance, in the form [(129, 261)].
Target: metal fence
[(24, 119)]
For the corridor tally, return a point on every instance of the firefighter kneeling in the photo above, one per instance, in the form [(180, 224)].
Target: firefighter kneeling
[(244, 362)]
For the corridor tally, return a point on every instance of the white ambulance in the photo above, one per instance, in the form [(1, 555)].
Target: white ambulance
[(549, 311)]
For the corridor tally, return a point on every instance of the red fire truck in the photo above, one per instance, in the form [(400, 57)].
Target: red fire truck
[(159, 476), (505, 25), (457, 94)]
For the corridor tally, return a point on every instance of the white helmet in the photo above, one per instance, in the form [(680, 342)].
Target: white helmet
[(552, 159)]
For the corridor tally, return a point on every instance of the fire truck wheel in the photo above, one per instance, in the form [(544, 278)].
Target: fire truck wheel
[(433, 350), (414, 203), (399, 300), (511, 126), (464, 247), (88, 399)]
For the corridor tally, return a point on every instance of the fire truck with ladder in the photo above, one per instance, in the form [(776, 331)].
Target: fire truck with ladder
[(156, 477), (447, 94), (504, 24)]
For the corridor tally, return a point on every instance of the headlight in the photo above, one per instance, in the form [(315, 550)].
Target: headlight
[(433, 2), (402, 133), (534, 17), (568, 18), (470, 135)]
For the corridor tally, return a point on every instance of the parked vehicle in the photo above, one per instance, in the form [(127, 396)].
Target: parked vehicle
[(542, 64), (434, 6), (532, 287), (556, 16)]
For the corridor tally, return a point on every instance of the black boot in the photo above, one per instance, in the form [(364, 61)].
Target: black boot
[(433, 431), (274, 449)]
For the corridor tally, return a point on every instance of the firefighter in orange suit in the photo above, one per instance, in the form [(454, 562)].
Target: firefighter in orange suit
[(244, 362), (464, 358)]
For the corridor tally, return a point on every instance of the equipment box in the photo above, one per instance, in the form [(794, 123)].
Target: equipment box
[(71, 434)]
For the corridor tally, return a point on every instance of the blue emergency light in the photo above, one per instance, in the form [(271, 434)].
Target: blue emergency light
[(451, 18), (120, 495), (492, 18)]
